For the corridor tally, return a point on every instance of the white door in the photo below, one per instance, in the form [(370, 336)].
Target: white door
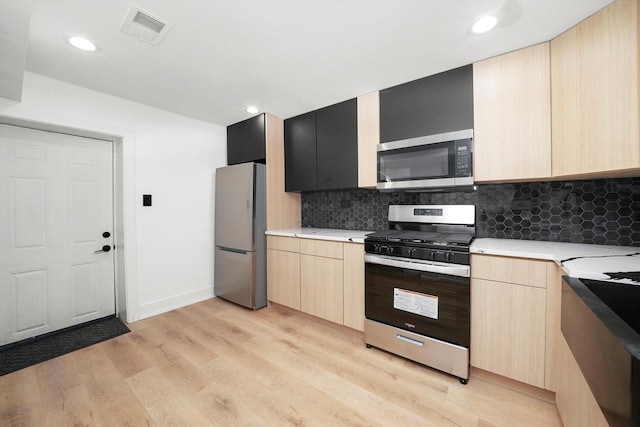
[(56, 207)]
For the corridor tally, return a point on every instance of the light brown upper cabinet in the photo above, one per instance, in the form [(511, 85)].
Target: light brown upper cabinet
[(283, 209), (512, 116), (594, 92), (368, 139)]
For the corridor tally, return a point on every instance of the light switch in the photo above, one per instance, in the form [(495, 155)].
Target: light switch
[(146, 200)]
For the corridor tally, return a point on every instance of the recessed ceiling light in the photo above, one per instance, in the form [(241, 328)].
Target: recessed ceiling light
[(484, 24), (252, 110), (82, 43)]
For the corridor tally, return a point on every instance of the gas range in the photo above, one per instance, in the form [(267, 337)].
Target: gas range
[(417, 286), (426, 232)]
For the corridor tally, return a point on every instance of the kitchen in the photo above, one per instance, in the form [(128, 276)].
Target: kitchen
[(150, 177)]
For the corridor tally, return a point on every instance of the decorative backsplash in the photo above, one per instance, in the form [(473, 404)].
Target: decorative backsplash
[(603, 212)]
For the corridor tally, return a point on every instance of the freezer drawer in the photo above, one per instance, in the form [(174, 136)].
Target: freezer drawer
[(236, 279)]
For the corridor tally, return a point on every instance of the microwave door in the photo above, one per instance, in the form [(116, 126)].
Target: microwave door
[(425, 162), (415, 168)]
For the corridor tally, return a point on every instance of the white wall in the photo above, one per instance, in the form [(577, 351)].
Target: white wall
[(169, 246)]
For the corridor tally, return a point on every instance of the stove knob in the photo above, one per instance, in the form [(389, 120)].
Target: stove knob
[(432, 255), (448, 256), (390, 249)]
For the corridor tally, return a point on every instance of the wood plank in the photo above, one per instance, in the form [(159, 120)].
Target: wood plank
[(574, 397), (508, 330), (323, 248), (283, 278), (283, 209), (553, 334), (20, 403), (354, 286), (282, 243), (521, 271), (368, 139), (512, 116), (215, 363), (321, 287), (595, 105)]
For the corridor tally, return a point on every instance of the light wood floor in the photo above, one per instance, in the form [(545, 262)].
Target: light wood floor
[(214, 363)]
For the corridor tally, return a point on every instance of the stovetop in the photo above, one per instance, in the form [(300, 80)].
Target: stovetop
[(415, 236), (440, 233)]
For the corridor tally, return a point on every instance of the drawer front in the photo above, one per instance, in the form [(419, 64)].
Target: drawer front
[(510, 270), (290, 244), (322, 248)]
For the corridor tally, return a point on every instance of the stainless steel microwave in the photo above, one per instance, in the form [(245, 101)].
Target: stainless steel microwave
[(434, 162)]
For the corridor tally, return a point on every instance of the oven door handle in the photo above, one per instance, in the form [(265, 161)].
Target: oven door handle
[(420, 265)]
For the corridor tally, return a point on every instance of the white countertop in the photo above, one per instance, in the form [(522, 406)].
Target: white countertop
[(356, 236), (577, 260)]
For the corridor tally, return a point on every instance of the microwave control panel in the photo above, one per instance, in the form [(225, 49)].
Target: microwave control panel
[(463, 158)]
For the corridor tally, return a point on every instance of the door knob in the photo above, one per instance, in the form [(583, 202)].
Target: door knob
[(105, 248), (106, 234)]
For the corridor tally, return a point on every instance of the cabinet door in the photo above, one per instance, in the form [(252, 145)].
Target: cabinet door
[(354, 286), (554, 334), (508, 330), (594, 93), (576, 403), (512, 109), (321, 287), (246, 141), (283, 278), (300, 153), (368, 139), (283, 209), (337, 146), (431, 105)]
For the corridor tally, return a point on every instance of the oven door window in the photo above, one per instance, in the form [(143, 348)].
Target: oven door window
[(429, 304), (417, 163)]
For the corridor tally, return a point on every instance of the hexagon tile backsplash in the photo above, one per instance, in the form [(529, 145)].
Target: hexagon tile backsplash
[(604, 212)]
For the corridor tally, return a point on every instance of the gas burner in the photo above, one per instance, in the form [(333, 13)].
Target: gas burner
[(422, 237), (433, 233)]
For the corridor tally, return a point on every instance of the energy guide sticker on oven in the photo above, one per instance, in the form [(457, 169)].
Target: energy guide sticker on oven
[(416, 303)]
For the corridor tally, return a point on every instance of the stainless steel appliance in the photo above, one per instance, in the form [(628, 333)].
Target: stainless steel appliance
[(240, 243), (417, 285), (427, 163)]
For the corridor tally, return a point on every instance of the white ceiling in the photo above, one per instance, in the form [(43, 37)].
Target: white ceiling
[(285, 56)]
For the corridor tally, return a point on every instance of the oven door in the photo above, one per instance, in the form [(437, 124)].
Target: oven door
[(419, 297)]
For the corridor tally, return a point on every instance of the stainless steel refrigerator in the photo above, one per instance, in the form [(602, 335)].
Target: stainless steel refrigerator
[(240, 242)]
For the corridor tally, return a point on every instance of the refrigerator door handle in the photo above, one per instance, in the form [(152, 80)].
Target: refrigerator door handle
[(238, 251)]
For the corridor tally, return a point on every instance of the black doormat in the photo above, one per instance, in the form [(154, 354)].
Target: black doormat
[(31, 351)]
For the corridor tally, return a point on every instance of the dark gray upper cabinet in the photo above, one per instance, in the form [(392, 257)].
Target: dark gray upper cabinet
[(435, 104), (300, 153), (337, 146), (246, 141), (321, 149)]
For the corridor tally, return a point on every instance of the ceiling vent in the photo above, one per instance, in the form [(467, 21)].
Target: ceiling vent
[(144, 26)]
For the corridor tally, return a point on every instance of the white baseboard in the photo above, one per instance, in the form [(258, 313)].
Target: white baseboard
[(168, 304)]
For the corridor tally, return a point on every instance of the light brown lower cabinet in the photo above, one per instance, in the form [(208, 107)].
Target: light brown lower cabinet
[(576, 404), (318, 277), (354, 286), (508, 330), (283, 271), (513, 318), (321, 279)]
